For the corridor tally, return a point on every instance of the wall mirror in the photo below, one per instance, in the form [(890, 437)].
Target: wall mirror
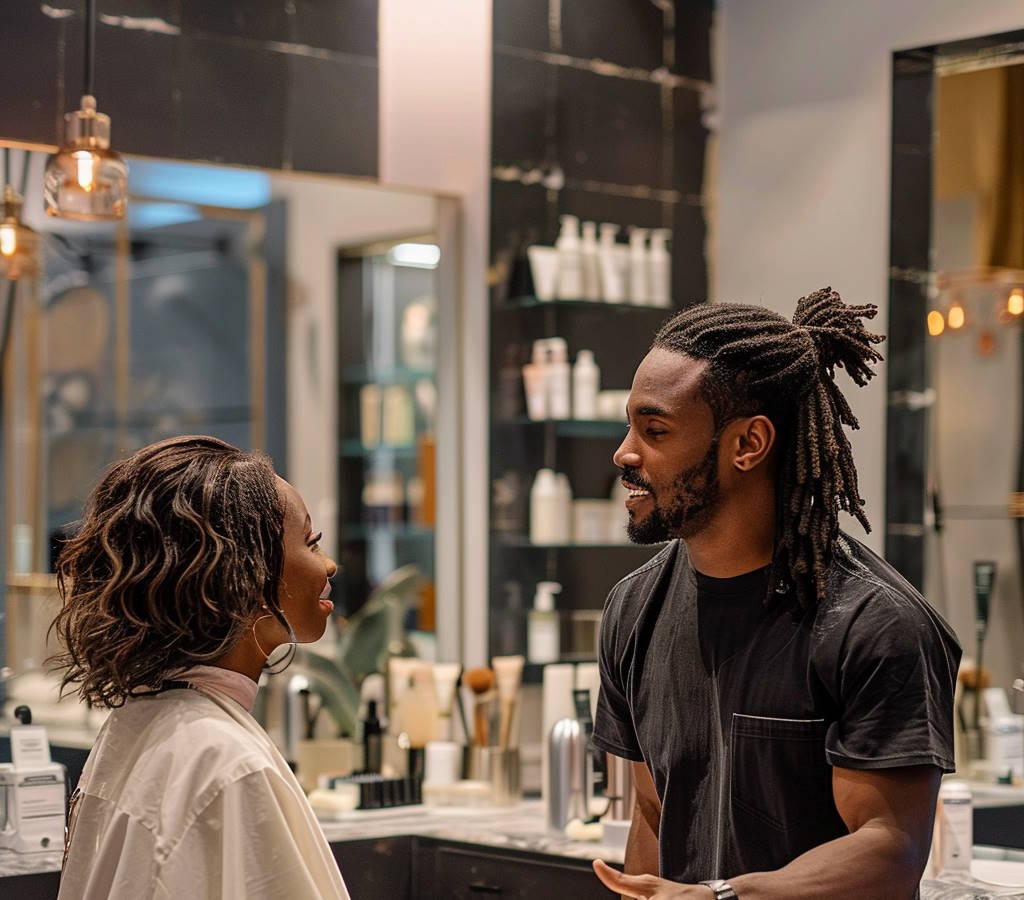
[(956, 430), (310, 317)]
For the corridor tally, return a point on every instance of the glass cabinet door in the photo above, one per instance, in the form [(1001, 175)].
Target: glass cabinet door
[(388, 363)]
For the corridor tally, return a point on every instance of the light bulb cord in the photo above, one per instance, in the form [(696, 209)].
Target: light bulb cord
[(90, 40), (7, 167)]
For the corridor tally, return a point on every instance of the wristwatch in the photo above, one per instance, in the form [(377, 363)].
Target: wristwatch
[(721, 889)]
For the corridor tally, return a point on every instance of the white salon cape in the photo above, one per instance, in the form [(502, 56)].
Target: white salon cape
[(185, 796)]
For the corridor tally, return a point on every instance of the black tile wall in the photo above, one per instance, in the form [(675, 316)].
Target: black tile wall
[(144, 114), (905, 347), (693, 20), (521, 23), (31, 79), (689, 267), (610, 129), (332, 109), (689, 140), (629, 34), (521, 100), (905, 350), (233, 103), (267, 83)]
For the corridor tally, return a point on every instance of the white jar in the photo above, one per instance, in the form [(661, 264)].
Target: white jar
[(954, 829)]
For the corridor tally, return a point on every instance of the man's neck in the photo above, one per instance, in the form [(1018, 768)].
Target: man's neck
[(733, 543)]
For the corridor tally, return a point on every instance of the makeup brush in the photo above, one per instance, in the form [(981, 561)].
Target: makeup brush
[(508, 670), (481, 682)]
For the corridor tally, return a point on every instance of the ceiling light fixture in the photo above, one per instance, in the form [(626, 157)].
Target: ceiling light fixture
[(19, 244), (956, 317), (1015, 302), (86, 180)]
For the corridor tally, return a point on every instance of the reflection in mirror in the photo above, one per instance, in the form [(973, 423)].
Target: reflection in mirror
[(297, 315), (974, 354)]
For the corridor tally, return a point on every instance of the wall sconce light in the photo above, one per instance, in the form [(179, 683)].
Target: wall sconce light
[(936, 323), (86, 180), (956, 317), (1015, 302), (19, 244)]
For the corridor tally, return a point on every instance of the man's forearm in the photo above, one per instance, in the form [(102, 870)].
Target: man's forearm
[(875, 861), (641, 847)]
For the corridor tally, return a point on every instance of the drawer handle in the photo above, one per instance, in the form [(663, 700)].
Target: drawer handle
[(482, 887)]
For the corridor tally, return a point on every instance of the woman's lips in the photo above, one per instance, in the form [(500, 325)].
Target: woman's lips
[(325, 604)]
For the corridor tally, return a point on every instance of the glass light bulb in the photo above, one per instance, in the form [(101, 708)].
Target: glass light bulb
[(936, 323), (86, 168), (8, 239), (956, 316), (1015, 302)]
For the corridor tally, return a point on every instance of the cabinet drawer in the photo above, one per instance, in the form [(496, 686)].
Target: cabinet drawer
[(468, 875)]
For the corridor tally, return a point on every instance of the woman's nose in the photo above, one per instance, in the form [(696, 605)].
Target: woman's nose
[(332, 567)]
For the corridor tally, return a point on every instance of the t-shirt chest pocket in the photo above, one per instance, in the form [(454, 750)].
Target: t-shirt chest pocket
[(779, 773)]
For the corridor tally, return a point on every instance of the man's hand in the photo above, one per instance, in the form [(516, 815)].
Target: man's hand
[(648, 887)]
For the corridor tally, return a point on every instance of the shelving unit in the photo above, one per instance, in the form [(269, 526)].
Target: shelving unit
[(619, 335)]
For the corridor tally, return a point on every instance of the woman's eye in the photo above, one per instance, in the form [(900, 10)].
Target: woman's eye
[(314, 541)]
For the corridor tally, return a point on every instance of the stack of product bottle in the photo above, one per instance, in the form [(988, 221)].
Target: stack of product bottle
[(554, 390), (584, 267), (555, 518)]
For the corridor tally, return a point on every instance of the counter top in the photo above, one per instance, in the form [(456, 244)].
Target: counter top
[(521, 828), (518, 827)]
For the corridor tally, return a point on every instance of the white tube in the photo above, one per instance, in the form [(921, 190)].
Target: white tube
[(446, 675)]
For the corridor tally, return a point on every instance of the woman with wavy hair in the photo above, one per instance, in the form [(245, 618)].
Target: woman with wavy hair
[(193, 563)]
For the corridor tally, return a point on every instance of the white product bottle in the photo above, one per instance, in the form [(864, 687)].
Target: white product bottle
[(545, 516), (613, 290), (564, 533), (638, 294), (558, 379), (570, 260), (535, 382), (954, 829), (586, 382), (659, 270), (588, 257), (542, 625)]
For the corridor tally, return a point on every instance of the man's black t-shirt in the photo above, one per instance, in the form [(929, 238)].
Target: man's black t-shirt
[(741, 708)]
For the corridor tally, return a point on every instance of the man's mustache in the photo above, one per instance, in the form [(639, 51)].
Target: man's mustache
[(634, 478)]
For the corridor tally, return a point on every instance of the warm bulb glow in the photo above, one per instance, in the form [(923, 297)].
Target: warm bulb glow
[(936, 323), (8, 239), (1015, 302), (86, 169), (956, 316)]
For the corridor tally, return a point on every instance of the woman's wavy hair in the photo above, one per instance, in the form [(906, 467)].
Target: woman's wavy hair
[(180, 546)]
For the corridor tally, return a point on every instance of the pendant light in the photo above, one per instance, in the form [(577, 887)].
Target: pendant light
[(86, 179), (19, 244)]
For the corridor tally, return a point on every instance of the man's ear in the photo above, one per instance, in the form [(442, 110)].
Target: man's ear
[(753, 441)]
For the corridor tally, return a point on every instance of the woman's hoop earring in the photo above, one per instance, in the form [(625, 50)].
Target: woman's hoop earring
[(286, 659)]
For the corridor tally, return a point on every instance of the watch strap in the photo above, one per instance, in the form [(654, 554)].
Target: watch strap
[(721, 889)]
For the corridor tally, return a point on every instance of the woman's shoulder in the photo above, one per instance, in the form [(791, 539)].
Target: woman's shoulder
[(176, 741)]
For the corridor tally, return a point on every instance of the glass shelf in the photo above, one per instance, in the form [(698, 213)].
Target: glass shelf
[(579, 428), (362, 374), (356, 449), (535, 302), (398, 531), (533, 673)]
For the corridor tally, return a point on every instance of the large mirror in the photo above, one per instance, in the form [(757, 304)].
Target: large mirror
[(308, 317)]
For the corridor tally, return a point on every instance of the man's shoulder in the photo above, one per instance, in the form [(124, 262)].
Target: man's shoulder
[(866, 594)]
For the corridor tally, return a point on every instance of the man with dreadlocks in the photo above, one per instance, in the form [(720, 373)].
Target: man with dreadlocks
[(785, 696)]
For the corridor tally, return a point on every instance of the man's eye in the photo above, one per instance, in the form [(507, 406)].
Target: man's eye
[(654, 432)]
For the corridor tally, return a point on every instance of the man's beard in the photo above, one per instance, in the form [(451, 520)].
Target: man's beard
[(689, 505)]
